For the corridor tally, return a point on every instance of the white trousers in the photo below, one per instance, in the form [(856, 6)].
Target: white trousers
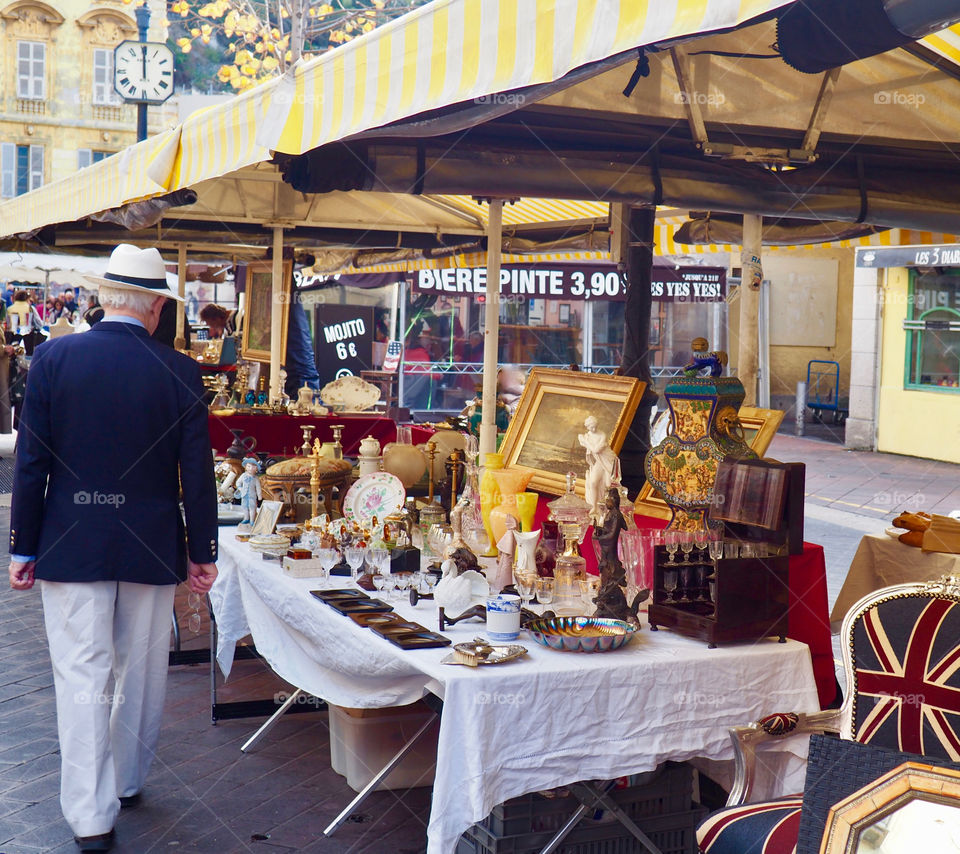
[(108, 738)]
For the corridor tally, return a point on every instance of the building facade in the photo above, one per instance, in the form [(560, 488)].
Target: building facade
[(58, 108)]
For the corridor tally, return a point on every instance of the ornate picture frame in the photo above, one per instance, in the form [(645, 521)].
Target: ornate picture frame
[(759, 428), (543, 433), (259, 307)]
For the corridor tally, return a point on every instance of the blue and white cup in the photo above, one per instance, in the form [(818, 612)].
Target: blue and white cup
[(503, 617)]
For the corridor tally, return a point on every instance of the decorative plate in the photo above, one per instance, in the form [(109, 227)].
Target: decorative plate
[(227, 514), (377, 494), (581, 634), (350, 393)]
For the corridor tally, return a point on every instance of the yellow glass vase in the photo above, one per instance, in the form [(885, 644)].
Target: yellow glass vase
[(527, 508), (489, 496), (511, 483)]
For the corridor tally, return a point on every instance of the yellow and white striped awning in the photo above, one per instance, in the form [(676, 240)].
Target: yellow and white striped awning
[(452, 51)]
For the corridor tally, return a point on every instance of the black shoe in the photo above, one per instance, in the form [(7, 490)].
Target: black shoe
[(102, 842), (130, 801)]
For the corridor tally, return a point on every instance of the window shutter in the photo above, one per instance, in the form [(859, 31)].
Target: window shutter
[(84, 158), (36, 166), (8, 170)]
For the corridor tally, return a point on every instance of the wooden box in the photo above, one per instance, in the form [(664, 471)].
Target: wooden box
[(730, 599)]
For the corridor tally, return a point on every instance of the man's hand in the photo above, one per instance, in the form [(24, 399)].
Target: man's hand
[(21, 574), (200, 576)]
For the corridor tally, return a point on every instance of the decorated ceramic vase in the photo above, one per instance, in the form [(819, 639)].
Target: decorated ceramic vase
[(683, 467)]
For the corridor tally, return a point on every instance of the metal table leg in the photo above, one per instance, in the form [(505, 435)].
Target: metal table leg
[(591, 796), (269, 723), (380, 775)]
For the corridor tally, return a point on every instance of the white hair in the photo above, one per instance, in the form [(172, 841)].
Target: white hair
[(139, 302)]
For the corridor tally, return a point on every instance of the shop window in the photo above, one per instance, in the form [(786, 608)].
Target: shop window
[(933, 331)]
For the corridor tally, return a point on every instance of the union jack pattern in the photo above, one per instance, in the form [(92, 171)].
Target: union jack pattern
[(907, 676)]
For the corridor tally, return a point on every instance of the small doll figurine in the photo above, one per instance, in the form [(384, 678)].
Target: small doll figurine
[(703, 361), (248, 488)]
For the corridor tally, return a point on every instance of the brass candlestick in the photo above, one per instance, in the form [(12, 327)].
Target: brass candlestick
[(454, 470), (337, 447), (315, 479), (431, 455), (307, 433)]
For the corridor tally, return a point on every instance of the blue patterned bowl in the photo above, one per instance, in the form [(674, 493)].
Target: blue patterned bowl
[(581, 634)]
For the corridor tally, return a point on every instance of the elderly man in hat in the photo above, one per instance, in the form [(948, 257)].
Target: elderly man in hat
[(114, 429)]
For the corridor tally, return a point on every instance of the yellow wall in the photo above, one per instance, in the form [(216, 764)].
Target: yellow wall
[(68, 120), (915, 423)]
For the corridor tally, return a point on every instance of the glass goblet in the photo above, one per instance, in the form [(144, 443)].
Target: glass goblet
[(671, 542), (355, 556), (431, 581), (379, 560), (670, 583), (379, 581), (701, 537), (328, 560), (403, 582), (715, 546), (526, 583), (686, 545)]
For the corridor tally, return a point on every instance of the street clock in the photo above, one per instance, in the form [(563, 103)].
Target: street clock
[(143, 72)]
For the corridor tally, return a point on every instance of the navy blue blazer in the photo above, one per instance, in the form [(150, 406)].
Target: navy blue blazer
[(113, 428)]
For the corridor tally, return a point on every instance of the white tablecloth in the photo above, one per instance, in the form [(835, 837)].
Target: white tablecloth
[(549, 719)]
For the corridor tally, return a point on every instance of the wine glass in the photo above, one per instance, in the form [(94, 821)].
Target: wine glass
[(526, 585), (328, 560), (403, 582), (700, 539), (686, 545), (379, 581), (477, 539), (431, 581), (670, 582), (715, 545), (379, 560), (389, 585), (672, 542), (354, 556)]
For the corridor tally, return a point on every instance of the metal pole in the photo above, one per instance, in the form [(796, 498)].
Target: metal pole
[(180, 341), (748, 358), (491, 330), (800, 406), (143, 23), (276, 314)]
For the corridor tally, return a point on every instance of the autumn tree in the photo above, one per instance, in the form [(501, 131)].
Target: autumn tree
[(261, 39)]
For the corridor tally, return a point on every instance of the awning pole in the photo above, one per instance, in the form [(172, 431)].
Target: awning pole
[(491, 330), (180, 341), (748, 358), (276, 315)]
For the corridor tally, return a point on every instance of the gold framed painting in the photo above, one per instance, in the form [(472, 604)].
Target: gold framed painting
[(258, 311), (759, 428), (543, 433)]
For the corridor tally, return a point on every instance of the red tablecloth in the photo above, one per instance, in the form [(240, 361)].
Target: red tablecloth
[(808, 618), (283, 434)]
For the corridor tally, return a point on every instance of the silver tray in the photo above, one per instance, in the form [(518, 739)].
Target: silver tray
[(484, 652)]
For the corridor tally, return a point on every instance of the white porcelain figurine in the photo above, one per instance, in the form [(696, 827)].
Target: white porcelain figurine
[(603, 466), (248, 489)]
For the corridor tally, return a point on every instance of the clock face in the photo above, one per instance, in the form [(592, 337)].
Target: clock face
[(143, 71)]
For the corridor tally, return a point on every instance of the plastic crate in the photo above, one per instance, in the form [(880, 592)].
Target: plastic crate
[(668, 790), (362, 741), (672, 834)]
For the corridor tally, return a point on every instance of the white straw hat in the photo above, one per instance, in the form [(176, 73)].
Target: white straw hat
[(135, 269)]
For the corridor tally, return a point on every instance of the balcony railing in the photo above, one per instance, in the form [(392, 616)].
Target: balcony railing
[(31, 106)]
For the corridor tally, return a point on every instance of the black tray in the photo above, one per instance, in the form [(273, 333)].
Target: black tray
[(418, 640), (359, 606), (345, 593)]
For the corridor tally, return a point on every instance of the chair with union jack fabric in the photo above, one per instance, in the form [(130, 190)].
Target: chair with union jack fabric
[(901, 658)]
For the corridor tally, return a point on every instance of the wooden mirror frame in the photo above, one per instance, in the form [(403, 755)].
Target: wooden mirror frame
[(907, 782)]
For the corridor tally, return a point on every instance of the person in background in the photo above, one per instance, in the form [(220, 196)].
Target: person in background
[(94, 313), (9, 291), (114, 432), (220, 321), (301, 362), (166, 331), (69, 303)]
